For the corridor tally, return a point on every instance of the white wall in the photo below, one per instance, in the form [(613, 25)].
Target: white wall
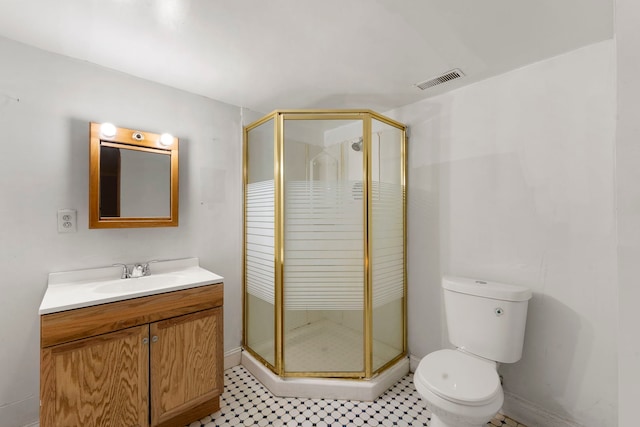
[(45, 140), (628, 193), (512, 179)]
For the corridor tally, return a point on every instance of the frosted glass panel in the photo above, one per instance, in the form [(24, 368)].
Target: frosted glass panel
[(259, 241), (323, 246), (387, 242)]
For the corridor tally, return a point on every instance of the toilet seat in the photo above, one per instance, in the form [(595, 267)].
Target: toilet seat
[(458, 377)]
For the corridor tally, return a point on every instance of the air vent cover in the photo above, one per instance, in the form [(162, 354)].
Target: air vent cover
[(449, 75)]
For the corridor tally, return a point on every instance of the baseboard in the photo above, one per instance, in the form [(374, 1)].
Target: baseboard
[(36, 424), (232, 357), (531, 414), (413, 362), (20, 413)]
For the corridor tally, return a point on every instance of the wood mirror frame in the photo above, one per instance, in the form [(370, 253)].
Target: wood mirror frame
[(130, 139)]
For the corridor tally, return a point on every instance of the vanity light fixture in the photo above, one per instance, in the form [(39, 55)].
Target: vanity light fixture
[(108, 130), (166, 139)]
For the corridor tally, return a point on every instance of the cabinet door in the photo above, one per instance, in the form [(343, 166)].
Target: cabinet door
[(186, 367), (98, 381)]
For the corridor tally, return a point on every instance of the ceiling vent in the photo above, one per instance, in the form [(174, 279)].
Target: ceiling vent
[(449, 75)]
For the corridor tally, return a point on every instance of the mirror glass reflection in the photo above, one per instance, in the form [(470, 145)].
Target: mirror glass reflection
[(134, 183)]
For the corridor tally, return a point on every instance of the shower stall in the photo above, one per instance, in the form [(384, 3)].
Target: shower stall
[(325, 243)]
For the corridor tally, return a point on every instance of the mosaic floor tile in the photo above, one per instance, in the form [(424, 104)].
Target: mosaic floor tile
[(246, 402)]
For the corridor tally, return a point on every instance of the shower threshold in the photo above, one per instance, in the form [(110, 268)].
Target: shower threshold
[(319, 344), (326, 388)]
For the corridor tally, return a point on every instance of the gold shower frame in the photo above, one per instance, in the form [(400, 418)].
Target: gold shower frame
[(279, 117)]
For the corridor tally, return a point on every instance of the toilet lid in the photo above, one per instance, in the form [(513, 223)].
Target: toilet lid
[(458, 377)]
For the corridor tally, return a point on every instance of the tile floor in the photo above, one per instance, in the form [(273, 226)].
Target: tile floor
[(246, 402)]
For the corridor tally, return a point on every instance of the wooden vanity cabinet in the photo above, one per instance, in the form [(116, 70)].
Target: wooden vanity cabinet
[(149, 361)]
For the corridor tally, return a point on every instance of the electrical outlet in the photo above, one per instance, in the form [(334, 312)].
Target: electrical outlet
[(67, 221)]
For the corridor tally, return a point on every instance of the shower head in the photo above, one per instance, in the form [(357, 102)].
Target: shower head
[(357, 145)]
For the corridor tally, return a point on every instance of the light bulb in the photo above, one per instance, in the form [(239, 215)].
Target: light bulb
[(108, 130), (166, 139)]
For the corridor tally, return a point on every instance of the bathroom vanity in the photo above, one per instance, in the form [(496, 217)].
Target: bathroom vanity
[(131, 352)]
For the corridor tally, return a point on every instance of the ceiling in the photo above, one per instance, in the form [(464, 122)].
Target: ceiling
[(280, 54)]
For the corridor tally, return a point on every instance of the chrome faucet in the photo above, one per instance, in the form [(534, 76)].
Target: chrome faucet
[(136, 270)]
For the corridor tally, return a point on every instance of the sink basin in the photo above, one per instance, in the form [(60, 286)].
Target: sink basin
[(158, 281)]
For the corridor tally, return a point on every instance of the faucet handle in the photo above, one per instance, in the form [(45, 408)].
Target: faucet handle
[(146, 268), (125, 270)]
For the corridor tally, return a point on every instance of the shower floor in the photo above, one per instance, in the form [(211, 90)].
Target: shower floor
[(327, 346)]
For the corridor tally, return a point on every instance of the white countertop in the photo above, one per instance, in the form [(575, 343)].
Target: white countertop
[(83, 288)]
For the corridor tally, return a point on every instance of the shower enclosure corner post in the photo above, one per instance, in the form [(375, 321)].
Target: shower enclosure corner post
[(368, 234), (403, 172), (245, 137), (279, 241)]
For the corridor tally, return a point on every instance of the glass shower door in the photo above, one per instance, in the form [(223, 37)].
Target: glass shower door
[(323, 247)]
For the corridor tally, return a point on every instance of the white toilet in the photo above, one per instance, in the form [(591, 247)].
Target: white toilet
[(486, 322)]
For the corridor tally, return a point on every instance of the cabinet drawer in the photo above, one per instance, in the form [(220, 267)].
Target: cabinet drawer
[(65, 326)]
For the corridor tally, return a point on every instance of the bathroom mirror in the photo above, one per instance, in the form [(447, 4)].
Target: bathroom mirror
[(133, 178)]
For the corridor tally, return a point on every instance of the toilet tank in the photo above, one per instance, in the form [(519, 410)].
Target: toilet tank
[(486, 318)]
